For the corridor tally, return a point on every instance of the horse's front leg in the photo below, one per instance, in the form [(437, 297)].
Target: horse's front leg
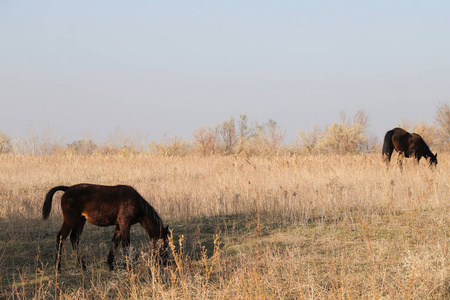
[(125, 236), (418, 157), (400, 157)]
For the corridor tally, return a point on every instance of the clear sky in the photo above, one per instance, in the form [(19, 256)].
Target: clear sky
[(167, 67)]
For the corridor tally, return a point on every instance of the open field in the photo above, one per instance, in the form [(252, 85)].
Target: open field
[(310, 227)]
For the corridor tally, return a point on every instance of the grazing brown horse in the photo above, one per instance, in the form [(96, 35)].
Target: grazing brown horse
[(101, 205), (406, 144)]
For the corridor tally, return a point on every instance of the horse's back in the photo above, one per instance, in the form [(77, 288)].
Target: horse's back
[(101, 194), (96, 190), (400, 133), (100, 204)]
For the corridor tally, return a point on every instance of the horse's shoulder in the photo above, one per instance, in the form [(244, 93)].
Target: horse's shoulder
[(418, 138), (401, 133), (399, 130)]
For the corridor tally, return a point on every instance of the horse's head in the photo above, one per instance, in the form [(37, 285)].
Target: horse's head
[(433, 159), (164, 250), (165, 236)]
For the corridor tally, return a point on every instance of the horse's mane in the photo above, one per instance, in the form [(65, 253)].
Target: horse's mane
[(425, 146), (151, 212)]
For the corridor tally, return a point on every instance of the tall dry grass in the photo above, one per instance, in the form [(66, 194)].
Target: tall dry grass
[(309, 227)]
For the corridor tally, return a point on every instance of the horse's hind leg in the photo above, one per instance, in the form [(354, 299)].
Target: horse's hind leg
[(387, 157), (75, 240), (389, 154), (114, 245), (60, 238)]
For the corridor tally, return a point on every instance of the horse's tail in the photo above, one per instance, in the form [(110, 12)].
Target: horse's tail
[(48, 200), (388, 145)]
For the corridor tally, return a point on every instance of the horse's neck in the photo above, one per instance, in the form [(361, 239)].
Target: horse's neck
[(152, 227), (427, 153)]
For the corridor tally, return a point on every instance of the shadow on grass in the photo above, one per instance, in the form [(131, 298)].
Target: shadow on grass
[(27, 248)]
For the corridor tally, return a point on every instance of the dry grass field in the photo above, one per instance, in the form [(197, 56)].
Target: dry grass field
[(309, 227)]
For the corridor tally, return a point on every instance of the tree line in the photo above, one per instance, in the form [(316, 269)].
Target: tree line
[(347, 135)]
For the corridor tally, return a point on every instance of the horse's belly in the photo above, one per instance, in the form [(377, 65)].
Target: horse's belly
[(100, 219)]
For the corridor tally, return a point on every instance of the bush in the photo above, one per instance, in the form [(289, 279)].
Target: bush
[(309, 140), (342, 137), (443, 122), (205, 139), (82, 147), (238, 137), (174, 146), (5, 143)]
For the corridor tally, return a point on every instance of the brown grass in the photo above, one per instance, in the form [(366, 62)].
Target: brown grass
[(310, 227)]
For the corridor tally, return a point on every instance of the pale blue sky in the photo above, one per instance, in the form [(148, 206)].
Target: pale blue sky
[(167, 67)]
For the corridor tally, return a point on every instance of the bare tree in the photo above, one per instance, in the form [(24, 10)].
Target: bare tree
[(274, 135), (5, 143), (227, 132), (205, 139), (346, 137), (443, 120), (310, 139), (361, 118)]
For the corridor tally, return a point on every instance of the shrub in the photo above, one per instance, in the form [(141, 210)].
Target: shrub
[(205, 140), (174, 146), (309, 140), (344, 137), (227, 134), (443, 122), (82, 147), (5, 143)]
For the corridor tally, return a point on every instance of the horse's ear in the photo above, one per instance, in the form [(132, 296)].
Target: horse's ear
[(435, 155)]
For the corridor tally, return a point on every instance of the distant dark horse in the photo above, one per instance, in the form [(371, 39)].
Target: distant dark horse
[(407, 144), (100, 205)]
